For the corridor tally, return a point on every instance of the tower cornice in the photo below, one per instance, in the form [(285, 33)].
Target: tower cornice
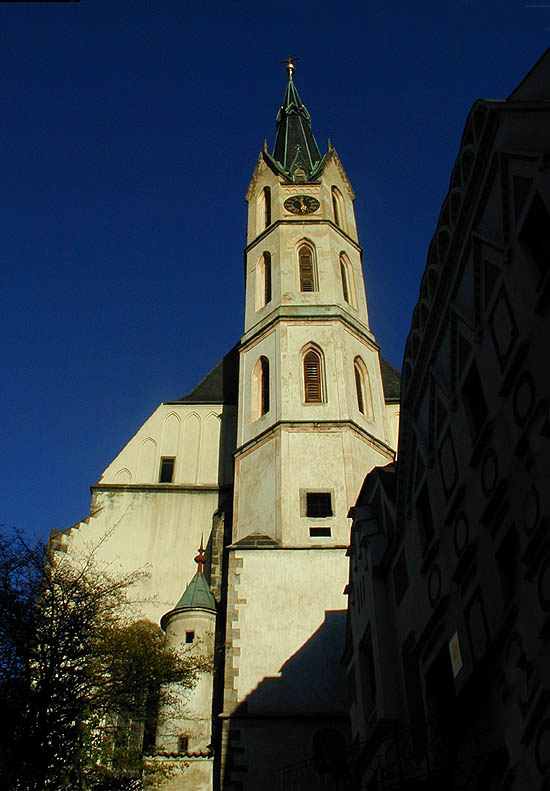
[(317, 424), (302, 221), (306, 314)]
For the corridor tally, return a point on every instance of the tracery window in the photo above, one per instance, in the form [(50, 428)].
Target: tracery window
[(306, 266)]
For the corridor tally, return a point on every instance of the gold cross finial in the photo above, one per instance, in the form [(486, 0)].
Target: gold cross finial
[(290, 67)]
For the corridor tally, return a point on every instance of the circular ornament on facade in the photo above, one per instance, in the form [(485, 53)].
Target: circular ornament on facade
[(544, 585), (489, 471), (531, 510), (301, 204), (542, 747), (434, 585), (524, 398), (462, 533)]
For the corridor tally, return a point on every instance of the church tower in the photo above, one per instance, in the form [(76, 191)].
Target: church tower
[(313, 419)]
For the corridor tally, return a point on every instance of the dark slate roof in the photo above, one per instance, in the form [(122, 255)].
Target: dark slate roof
[(221, 385), (295, 145), (391, 380)]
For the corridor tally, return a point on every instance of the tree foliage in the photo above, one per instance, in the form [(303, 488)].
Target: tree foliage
[(80, 681)]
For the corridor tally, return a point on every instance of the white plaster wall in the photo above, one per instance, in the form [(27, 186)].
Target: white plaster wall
[(256, 496), (185, 774), (157, 532), (285, 597), (271, 476), (190, 432)]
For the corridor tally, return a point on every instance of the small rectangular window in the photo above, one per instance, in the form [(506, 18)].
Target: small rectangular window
[(189, 637), (183, 744), (166, 470), (318, 504), (319, 532)]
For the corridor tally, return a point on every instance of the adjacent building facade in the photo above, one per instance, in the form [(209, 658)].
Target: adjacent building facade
[(263, 459), (448, 650)]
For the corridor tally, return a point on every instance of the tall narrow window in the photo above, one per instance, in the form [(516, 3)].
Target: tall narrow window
[(359, 388), (362, 387), (307, 270), (260, 389), (267, 207), (346, 276), (338, 207), (267, 278), (312, 377), (263, 280), (264, 405)]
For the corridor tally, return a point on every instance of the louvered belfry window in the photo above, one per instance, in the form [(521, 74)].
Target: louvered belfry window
[(312, 377), (305, 260)]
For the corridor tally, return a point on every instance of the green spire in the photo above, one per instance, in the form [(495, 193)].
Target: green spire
[(295, 145)]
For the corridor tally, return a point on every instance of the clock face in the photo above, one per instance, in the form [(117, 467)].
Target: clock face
[(301, 204)]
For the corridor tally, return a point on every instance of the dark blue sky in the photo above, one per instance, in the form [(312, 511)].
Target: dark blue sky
[(129, 134)]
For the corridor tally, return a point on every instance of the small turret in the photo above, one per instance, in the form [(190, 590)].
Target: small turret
[(185, 726)]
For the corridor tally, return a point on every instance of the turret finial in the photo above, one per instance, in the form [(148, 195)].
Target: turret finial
[(200, 559), (290, 67)]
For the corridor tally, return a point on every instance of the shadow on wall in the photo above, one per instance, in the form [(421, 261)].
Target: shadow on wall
[(311, 680), (280, 721)]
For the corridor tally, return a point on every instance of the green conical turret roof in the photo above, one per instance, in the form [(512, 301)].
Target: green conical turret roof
[(197, 595), (295, 144)]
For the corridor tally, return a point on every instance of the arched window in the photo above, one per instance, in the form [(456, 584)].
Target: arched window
[(260, 389), (338, 207), (346, 275), (306, 266), (263, 280), (267, 206), (362, 387), (313, 379)]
